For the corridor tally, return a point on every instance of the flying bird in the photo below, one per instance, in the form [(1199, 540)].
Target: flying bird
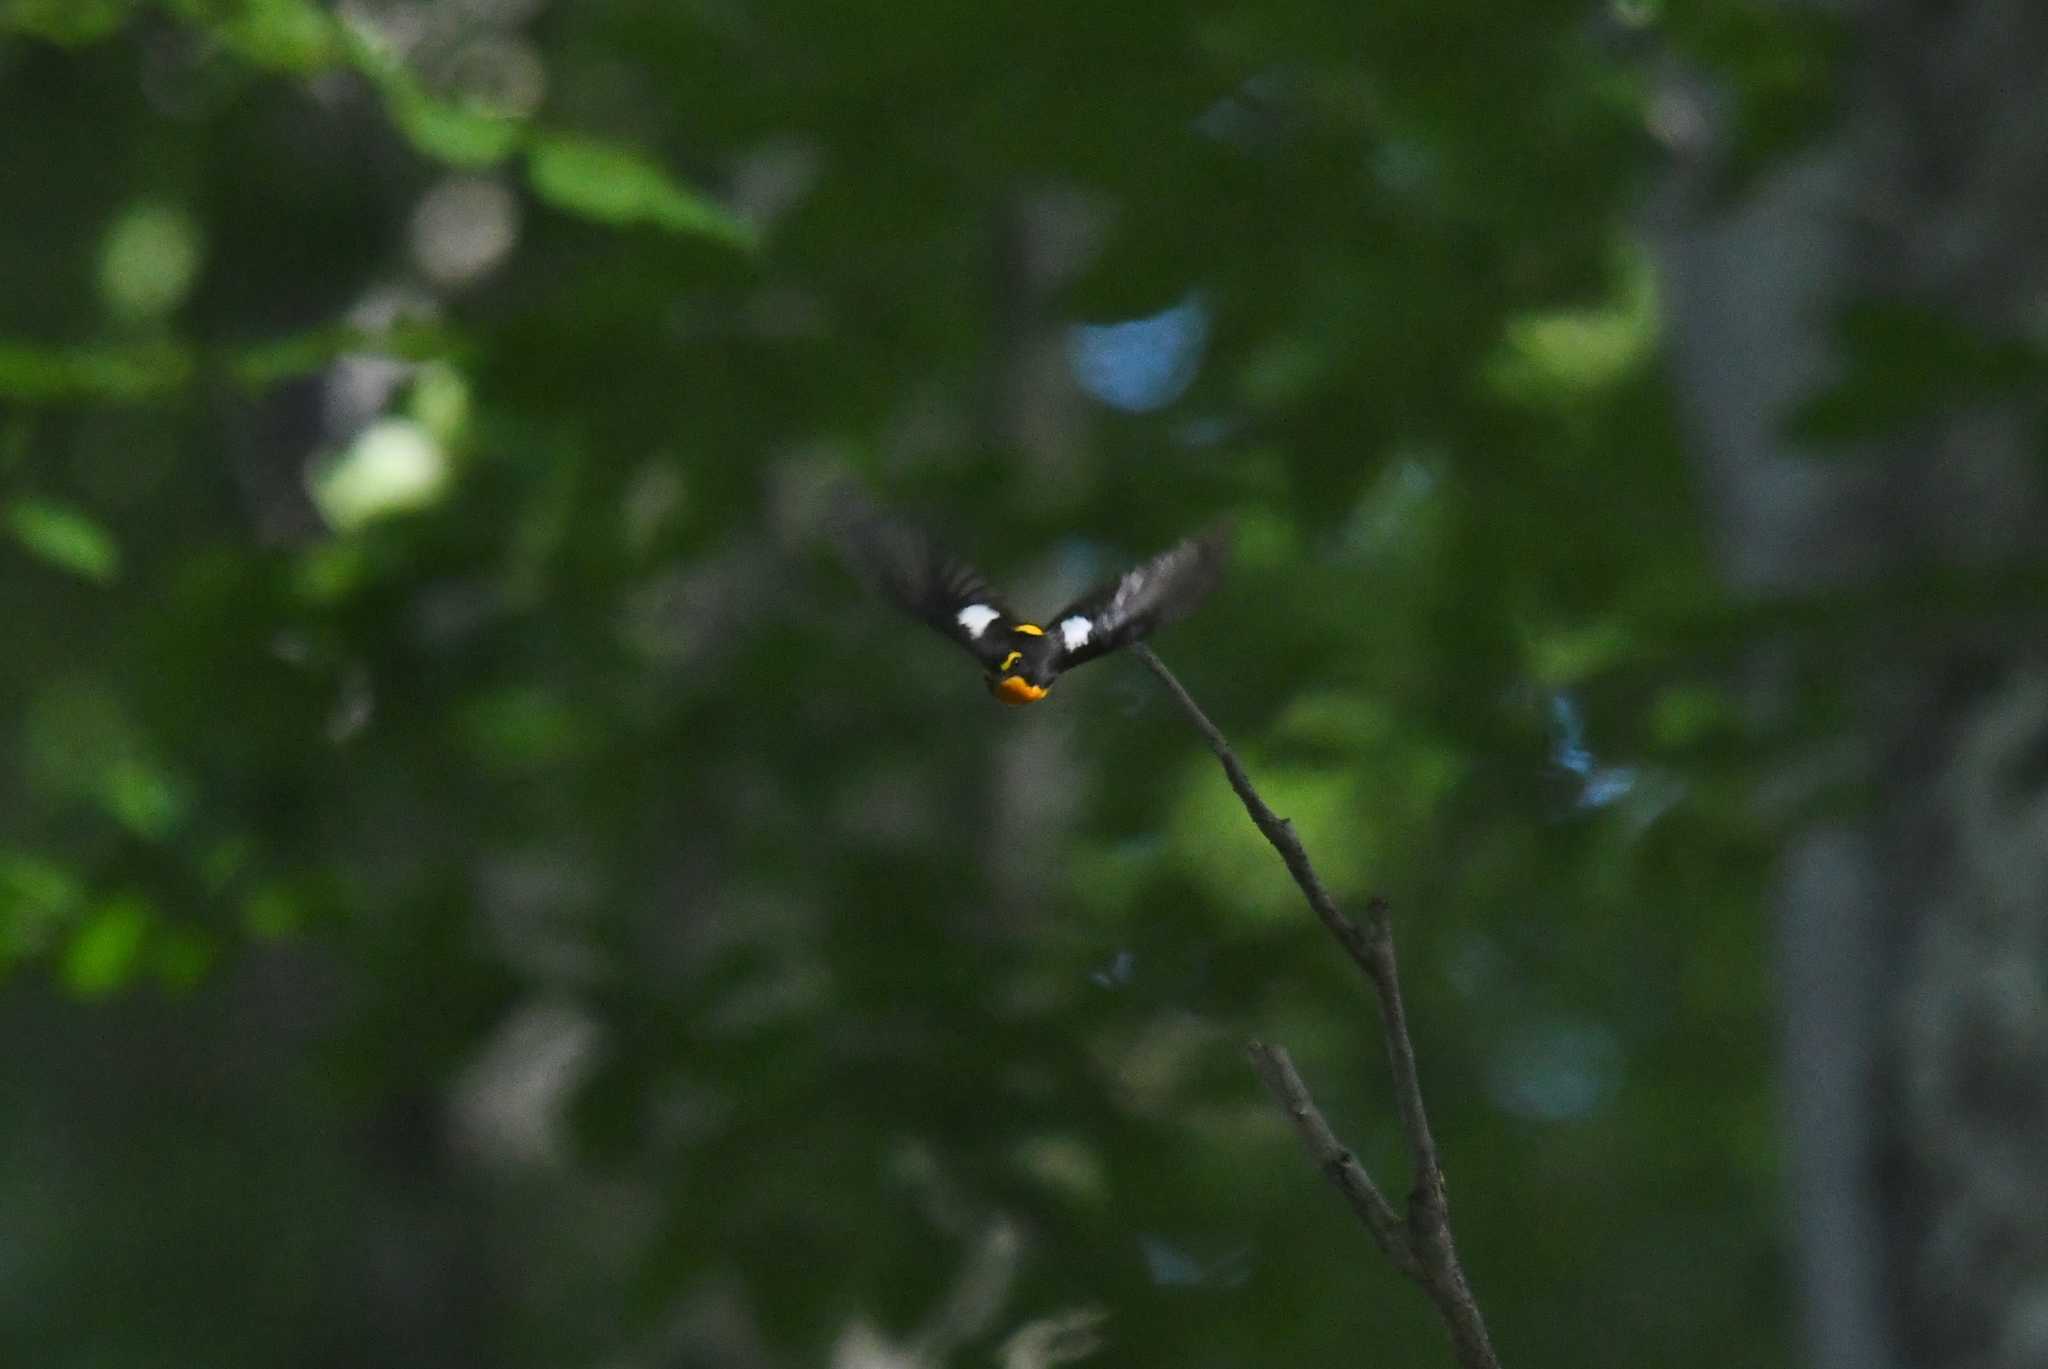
[(1021, 658)]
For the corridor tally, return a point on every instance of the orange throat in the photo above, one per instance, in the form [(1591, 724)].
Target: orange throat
[(1015, 690)]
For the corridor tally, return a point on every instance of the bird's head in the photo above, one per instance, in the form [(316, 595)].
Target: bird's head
[(1025, 672)]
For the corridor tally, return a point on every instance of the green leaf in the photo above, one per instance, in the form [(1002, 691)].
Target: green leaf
[(297, 354), (278, 35), (149, 261), (81, 743), (462, 132), (1686, 714), (270, 913), (1549, 356), (619, 186), (66, 538), (71, 374), (182, 957), (440, 402), (144, 798), (329, 572), (284, 35), (224, 860), (74, 731), (64, 21), (37, 896), (105, 953), (1567, 656), (522, 728)]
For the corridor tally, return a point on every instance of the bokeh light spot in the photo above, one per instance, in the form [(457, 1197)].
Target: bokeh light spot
[(393, 467), (464, 227), (149, 261), (1555, 1071), (1141, 364)]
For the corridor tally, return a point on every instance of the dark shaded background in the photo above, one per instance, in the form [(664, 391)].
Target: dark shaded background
[(479, 885)]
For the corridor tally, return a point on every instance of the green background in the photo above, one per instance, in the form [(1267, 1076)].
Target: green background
[(549, 915)]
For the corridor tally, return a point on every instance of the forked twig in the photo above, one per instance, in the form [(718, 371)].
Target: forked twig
[(1419, 1244)]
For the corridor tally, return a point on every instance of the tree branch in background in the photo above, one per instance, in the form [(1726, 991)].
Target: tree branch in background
[(1420, 1246)]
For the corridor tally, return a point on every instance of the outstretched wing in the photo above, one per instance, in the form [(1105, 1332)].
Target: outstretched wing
[(1148, 597), (928, 582)]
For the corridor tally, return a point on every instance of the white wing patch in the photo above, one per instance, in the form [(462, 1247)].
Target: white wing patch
[(976, 618), (1075, 631), (1143, 587)]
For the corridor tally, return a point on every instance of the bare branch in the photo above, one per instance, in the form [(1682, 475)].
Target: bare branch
[(1429, 1213), (1339, 1165), (1423, 1247), (1278, 830)]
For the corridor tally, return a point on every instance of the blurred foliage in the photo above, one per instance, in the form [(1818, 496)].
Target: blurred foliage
[(479, 886)]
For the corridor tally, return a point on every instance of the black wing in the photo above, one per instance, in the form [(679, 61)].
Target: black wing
[(928, 583), (1148, 597)]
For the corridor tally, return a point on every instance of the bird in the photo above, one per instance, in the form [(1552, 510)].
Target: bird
[(1020, 658)]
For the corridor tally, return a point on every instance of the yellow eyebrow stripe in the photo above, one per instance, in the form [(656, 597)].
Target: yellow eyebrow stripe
[(1029, 629), (1010, 660)]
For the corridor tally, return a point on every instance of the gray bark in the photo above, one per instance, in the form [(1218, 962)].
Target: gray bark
[(1913, 945)]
